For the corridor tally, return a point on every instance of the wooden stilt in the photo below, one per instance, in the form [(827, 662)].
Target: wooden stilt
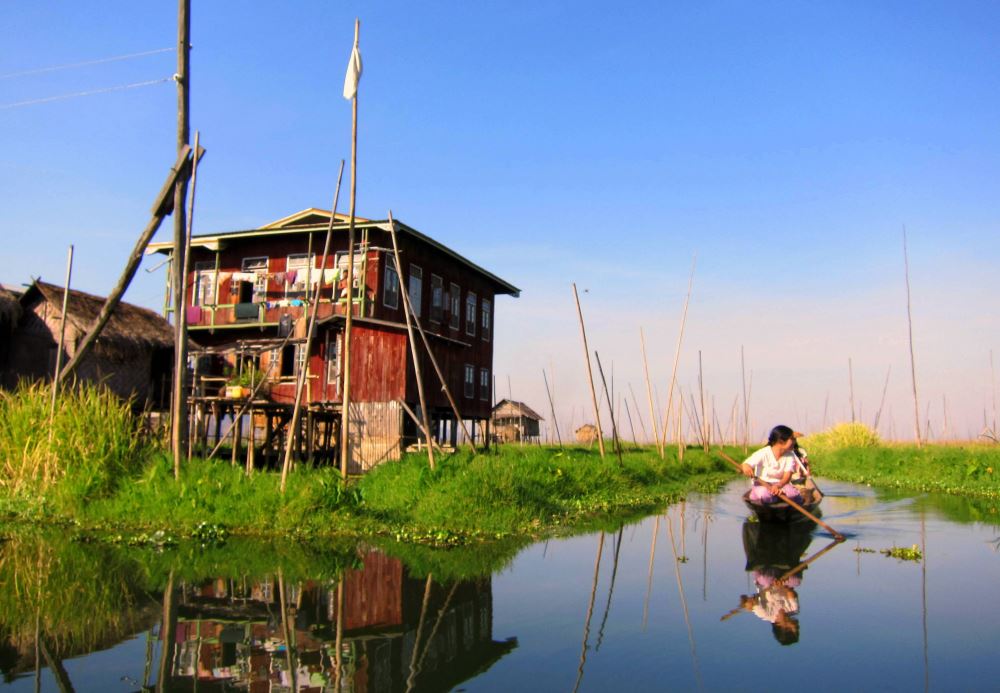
[(590, 375)]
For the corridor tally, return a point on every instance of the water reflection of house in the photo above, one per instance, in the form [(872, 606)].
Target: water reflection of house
[(515, 421), (232, 634)]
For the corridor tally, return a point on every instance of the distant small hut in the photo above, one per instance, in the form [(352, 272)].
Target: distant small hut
[(133, 356), (515, 421), (587, 433)]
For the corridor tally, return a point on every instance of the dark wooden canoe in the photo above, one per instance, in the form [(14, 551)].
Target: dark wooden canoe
[(783, 512)]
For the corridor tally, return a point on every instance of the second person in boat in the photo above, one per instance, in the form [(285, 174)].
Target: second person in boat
[(773, 466)]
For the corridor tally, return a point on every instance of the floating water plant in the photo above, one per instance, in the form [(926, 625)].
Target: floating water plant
[(902, 553)]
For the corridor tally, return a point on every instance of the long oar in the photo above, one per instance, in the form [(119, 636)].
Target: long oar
[(836, 535)]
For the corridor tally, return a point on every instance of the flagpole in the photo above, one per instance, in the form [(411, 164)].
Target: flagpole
[(346, 399)]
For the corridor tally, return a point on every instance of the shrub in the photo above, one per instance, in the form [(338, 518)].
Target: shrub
[(842, 435)]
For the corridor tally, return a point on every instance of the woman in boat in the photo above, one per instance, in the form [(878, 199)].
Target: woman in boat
[(773, 466)]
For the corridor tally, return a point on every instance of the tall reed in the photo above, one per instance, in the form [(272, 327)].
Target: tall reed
[(91, 442)]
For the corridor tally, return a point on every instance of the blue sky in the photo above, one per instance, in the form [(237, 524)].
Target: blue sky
[(786, 143)]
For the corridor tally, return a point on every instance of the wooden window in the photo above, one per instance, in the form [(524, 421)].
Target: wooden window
[(293, 359), (333, 361), (416, 289), (484, 384), (485, 318), (257, 266), (437, 298), (390, 293), (470, 314), (358, 278), (204, 284), (455, 300), (470, 381), (297, 271)]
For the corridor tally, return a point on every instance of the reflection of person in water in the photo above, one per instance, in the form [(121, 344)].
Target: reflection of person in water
[(777, 603)]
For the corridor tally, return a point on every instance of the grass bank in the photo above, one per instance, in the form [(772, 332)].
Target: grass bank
[(97, 471)]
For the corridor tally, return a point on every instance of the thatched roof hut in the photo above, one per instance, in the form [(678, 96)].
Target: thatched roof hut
[(514, 421), (10, 311), (130, 329), (132, 356), (587, 433)]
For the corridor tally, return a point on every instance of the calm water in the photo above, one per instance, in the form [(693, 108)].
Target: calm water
[(686, 600)]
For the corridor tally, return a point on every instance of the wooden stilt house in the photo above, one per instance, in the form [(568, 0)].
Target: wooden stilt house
[(249, 296), (515, 422)]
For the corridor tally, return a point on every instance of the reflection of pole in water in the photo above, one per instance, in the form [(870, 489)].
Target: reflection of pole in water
[(339, 638), (704, 557), (167, 630), (412, 678), (687, 618), (590, 612), (611, 590), (649, 580), (923, 593), (437, 624), (286, 631)]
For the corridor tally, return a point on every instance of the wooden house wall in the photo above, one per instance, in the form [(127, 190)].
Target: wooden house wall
[(381, 370)]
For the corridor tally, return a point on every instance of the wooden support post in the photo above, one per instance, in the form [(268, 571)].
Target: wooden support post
[(590, 374), (677, 353), (251, 443), (611, 412), (62, 337)]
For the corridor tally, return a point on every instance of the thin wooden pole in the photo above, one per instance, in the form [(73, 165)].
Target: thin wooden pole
[(611, 412), (410, 317), (680, 591), (850, 381), (345, 440), (62, 336), (552, 408), (746, 409), (705, 421), (649, 577), (590, 374), (183, 78), (993, 388), (638, 413), (885, 387), (311, 328), (649, 393), (635, 440), (909, 326), (179, 415), (677, 351)]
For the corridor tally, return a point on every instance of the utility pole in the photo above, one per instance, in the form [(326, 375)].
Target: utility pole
[(178, 415)]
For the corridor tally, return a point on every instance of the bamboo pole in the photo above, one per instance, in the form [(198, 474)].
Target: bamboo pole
[(705, 422), (611, 588), (552, 408), (590, 375), (680, 590), (410, 317), (311, 328), (850, 381), (677, 351), (161, 208), (909, 325), (746, 409), (345, 440), (635, 440), (638, 413), (649, 393), (649, 577), (62, 337), (885, 387), (179, 410), (611, 412)]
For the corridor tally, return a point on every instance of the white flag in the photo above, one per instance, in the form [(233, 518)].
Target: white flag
[(353, 75)]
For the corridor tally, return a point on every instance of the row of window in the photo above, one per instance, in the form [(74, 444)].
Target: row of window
[(252, 282), (452, 298)]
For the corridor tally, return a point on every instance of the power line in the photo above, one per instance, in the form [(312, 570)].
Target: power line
[(40, 70), (61, 97)]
